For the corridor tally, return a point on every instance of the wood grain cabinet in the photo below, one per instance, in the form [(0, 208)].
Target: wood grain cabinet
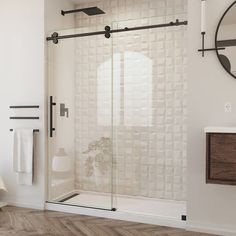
[(221, 157)]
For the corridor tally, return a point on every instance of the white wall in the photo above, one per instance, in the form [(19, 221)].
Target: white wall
[(22, 72), (209, 206), (22, 82), (53, 18)]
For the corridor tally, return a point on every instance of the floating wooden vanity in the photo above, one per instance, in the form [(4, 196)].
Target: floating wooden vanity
[(221, 155)]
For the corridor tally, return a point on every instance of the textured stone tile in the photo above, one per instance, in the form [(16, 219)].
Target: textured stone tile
[(149, 101)]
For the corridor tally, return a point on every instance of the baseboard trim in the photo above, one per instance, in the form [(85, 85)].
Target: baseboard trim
[(118, 215), (25, 205), (210, 229)]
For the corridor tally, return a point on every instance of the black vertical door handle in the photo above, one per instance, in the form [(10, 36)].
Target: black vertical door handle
[(51, 128)]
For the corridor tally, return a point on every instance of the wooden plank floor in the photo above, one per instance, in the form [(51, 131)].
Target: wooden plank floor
[(24, 222)]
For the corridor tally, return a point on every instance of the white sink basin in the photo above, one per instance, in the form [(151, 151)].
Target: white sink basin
[(220, 129)]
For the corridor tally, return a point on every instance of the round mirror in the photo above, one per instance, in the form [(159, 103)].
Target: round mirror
[(225, 40)]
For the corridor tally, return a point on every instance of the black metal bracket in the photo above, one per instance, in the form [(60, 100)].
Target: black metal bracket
[(107, 32), (203, 49), (55, 37)]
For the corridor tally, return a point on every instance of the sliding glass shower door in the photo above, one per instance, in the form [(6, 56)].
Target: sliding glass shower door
[(117, 117), (149, 116), (80, 121)]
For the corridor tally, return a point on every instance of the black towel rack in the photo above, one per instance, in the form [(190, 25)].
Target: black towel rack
[(30, 106), (24, 117), (35, 130)]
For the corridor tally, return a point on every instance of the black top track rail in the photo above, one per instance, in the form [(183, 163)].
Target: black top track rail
[(55, 37)]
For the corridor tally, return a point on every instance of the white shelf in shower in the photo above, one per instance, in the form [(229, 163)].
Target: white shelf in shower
[(226, 129), (58, 182)]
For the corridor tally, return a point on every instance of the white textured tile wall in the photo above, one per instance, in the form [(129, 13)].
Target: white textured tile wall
[(148, 71)]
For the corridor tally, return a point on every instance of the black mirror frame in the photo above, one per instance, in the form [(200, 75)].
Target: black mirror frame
[(217, 31)]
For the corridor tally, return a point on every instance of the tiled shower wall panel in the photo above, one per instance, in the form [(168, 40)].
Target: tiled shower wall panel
[(148, 69)]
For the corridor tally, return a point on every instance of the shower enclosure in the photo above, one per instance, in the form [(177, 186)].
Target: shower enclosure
[(117, 118)]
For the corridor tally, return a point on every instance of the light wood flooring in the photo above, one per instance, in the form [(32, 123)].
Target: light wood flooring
[(24, 222)]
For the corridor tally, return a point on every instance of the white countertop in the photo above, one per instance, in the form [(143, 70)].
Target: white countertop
[(229, 129)]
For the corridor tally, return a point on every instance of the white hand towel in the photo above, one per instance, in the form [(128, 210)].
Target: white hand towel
[(23, 144), (2, 185)]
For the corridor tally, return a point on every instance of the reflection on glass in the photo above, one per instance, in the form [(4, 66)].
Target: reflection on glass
[(132, 90), (104, 90), (137, 90)]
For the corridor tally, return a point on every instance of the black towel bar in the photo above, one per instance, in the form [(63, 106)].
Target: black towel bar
[(31, 106), (24, 118)]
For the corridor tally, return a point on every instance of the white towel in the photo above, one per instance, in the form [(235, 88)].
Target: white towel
[(2, 185), (23, 155)]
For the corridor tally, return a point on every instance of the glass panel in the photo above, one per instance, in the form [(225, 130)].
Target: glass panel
[(149, 94), (80, 73), (125, 98)]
